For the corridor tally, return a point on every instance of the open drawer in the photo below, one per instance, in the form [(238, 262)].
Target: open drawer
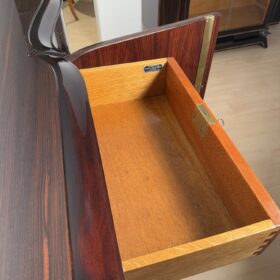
[(183, 198)]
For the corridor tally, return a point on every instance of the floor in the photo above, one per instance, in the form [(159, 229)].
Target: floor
[(83, 32), (243, 90)]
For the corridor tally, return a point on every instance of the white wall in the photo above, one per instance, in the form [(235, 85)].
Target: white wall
[(150, 13), (116, 18)]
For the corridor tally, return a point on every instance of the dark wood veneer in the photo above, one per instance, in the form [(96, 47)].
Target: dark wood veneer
[(181, 40), (274, 14), (95, 253), (56, 221), (171, 11), (34, 240), (27, 10)]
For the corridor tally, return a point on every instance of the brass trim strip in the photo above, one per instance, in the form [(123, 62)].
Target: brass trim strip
[(207, 35), (202, 119)]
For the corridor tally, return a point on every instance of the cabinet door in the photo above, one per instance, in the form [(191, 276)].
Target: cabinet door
[(53, 169), (274, 15), (200, 7), (235, 13), (244, 13), (190, 42)]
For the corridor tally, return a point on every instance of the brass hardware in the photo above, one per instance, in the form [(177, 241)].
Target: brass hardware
[(204, 51), (202, 119)]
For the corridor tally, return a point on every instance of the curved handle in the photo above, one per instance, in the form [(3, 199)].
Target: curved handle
[(94, 247), (42, 27)]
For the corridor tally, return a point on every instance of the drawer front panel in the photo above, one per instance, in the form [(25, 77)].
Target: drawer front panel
[(201, 255)]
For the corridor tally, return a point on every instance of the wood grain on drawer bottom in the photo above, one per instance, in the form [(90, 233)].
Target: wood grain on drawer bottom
[(183, 198), (159, 192)]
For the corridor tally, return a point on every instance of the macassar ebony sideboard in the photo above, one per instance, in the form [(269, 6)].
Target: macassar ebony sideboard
[(112, 165), (243, 22)]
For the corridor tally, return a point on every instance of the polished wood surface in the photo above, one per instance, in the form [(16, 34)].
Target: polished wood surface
[(182, 40), (27, 10), (234, 14), (160, 194), (242, 22), (165, 166), (94, 249), (222, 161), (253, 126), (34, 239), (44, 174), (93, 245), (120, 83), (56, 218), (200, 255), (171, 11), (274, 15), (251, 113), (150, 185), (198, 7)]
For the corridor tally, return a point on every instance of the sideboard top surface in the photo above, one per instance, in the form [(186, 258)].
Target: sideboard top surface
[(43, 234), (34, 239)]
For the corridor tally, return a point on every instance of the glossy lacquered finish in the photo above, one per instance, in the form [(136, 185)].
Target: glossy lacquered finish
[(176, 217), (55, 215), (170, 10), (94, 248), (34, 239), (52, 181), (182, 40), (243, 33), (56, 220), (27, 9), (274, 15)]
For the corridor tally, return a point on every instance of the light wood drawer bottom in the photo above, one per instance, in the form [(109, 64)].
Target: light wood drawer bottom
[(183, 199)]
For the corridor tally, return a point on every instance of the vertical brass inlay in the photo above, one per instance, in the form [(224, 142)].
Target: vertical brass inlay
[(202, 119), (207, 35)]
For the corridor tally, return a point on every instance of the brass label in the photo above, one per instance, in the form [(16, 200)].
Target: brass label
[(153, 68), (202, 119)]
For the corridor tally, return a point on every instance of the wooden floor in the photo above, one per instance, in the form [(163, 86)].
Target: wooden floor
[(243, 90), (82, 32)]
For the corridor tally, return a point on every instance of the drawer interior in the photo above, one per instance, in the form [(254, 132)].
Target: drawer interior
[(171, 180), (159, 192)]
